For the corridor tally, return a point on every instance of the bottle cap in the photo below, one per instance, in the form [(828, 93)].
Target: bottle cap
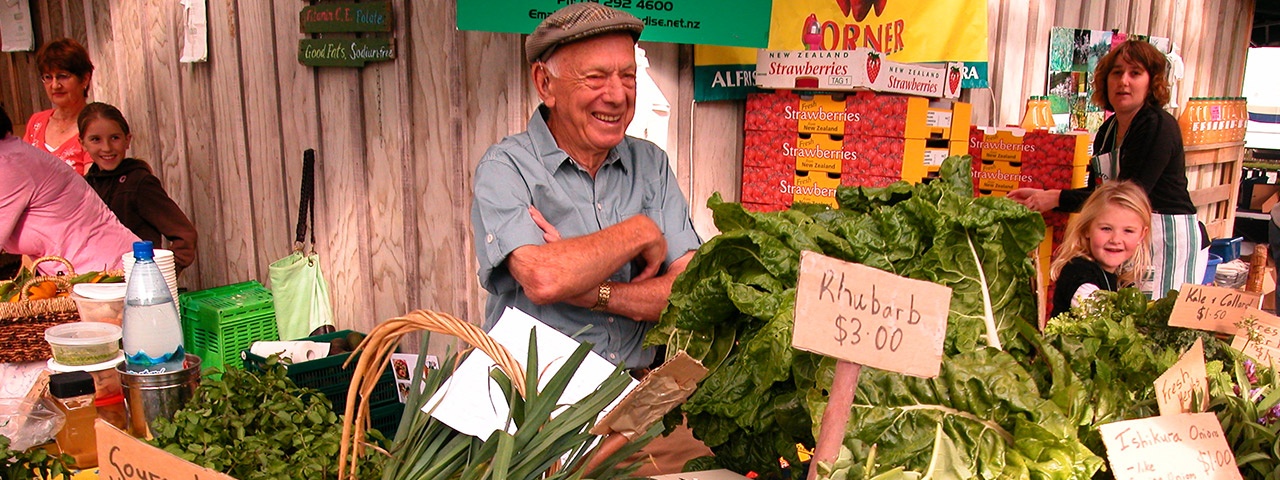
[(70, 384), (143, 250)]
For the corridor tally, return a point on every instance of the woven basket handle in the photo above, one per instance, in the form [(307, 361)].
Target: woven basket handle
[(377, 348), (71, 269)]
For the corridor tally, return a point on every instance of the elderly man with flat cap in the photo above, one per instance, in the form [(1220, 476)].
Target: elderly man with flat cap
[(576, 223)]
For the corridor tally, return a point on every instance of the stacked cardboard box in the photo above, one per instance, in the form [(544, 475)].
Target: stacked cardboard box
[(1005, 159), (799, 147)]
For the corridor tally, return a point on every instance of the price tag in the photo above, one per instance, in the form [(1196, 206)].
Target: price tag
[(1187, 446), (1183, 382), (870, 317), (1267, 344), (1206, 307)]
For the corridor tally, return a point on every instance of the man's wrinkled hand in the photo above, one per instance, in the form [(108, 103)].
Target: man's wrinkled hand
[(653, 251)]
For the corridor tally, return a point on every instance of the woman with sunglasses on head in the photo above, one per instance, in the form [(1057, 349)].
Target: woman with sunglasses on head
[(65, 71)]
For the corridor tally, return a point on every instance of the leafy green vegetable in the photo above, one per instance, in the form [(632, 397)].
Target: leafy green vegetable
[(756, 403), (257, 427), (35, 463)]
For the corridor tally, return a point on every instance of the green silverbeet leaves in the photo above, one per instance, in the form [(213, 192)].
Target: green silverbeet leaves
[(762, 397)]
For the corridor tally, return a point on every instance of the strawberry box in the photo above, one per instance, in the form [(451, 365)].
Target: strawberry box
[(1012, 144), (863, 113), (781, 186), (898, 158), (851, 70)]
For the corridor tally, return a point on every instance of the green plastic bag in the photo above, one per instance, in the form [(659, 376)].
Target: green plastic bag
[(297, 284), (301, 295)]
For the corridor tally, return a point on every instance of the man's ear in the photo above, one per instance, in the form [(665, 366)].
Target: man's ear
[(541, 80)]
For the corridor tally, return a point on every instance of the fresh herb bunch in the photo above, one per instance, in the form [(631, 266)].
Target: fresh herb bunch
[(1247, 403), (257, 426), (35, 463)]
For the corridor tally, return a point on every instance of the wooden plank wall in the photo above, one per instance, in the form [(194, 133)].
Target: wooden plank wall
[(397, 141)]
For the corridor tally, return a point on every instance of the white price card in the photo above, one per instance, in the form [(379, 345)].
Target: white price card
[(1188, 446)]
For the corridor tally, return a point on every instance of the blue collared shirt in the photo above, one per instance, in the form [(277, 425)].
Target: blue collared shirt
[(528, 168)]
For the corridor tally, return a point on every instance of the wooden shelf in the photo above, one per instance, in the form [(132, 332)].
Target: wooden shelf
[(1211, 146)]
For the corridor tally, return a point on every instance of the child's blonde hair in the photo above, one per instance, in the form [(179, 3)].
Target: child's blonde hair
[(1075, 243)]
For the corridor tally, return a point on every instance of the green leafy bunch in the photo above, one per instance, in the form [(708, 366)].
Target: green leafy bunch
[(541, 448), (257, 426), (34, 463), (1247, 402), (733, 306)]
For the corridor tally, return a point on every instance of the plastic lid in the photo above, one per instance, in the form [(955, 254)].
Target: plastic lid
[(143, 250), (82, 333), (70, 384), (100, 291)]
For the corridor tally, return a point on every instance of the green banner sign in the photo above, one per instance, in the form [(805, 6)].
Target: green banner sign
[(739, 23), (344, 52), (346, 17)]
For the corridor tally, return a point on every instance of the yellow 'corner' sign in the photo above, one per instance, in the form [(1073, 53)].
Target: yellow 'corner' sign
[(870, 317)]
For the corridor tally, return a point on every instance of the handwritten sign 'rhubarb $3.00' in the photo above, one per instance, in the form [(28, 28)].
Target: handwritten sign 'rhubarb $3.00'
[(870, 317)]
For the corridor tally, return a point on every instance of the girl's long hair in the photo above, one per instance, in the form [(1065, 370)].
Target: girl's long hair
[(1075, 243)]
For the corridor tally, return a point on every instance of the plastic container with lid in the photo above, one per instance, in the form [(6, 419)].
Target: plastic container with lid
[(72, 393), (83, 343), (99, 302)]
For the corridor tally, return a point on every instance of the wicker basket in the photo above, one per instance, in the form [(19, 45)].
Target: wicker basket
[(383, 340), (22, 324)]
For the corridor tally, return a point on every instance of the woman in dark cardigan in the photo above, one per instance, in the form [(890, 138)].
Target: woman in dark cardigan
[(1142, 143)]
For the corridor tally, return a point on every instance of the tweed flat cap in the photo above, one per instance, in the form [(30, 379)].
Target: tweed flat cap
[(576, 22)]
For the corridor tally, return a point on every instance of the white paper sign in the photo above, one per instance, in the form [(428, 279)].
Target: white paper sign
[(473, 404), (1189, 446), (195, 32), (15, 26)]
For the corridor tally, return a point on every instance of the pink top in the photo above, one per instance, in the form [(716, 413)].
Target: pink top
[(70, 151), (46, 209)]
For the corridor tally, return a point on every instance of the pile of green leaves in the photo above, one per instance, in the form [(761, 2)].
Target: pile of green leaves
[(733, 306), (1009, 402), (35, 463), (257, 426), (426, 448)]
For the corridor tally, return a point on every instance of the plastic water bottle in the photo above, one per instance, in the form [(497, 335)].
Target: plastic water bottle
[(152, 329)]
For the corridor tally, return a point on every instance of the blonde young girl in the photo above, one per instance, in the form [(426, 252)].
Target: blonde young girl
[(1105, 246)]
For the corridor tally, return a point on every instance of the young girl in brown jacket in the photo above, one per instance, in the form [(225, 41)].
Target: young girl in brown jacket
[(129, 188)]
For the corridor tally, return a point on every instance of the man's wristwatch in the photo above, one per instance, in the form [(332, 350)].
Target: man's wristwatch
[(602, 297)]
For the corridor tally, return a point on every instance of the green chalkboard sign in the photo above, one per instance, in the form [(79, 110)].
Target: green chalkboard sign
[(345, 52), (346, 17)]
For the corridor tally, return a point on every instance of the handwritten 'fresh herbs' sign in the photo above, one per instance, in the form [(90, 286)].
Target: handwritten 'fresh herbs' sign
[(870, 317)]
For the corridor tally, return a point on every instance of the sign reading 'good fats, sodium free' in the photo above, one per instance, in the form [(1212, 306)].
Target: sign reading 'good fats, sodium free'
[(870, 317)]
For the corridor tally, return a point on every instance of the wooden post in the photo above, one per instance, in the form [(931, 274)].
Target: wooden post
[(835, 418)]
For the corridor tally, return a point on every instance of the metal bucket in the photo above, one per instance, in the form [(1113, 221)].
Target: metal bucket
[(152, 396)]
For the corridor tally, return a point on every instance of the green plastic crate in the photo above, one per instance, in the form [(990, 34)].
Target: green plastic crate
[(220, 322), (387, 418), (329, 377)]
